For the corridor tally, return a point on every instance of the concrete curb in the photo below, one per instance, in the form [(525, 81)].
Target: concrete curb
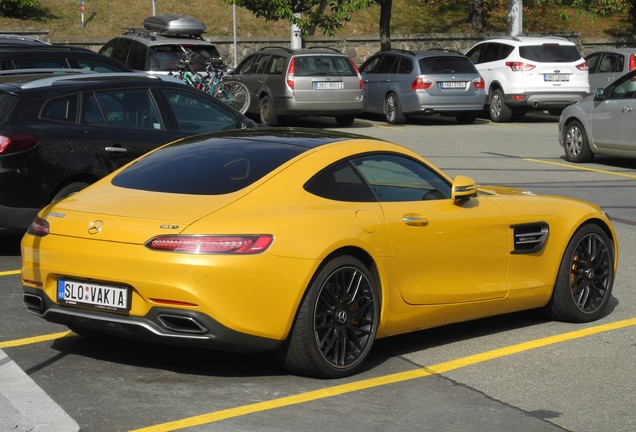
[(25, 407)]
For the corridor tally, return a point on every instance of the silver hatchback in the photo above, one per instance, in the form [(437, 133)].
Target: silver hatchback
[(288, 83), (399, 83)]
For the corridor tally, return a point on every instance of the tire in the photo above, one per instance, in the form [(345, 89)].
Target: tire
[(466, 118), (393, 110), (575, 143), (499, 111), (336, 323), (266, 109), (235, 94), (345, 120), (69, 190), (584, 284)]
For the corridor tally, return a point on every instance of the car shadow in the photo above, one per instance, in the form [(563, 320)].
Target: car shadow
[(10, 242)]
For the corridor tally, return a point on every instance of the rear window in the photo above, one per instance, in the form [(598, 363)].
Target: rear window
[(196, 167), (322, 65), (550, 53), (6, 102), (437, 65), (167, 57)]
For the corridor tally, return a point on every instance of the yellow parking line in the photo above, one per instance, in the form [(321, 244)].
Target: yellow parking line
[(35, 339), (383, 380), (10, 272), (632, 176)]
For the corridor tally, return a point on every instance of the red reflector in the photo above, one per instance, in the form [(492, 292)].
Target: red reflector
[(13, 142), (518, 97), (39, 227), (520, 66), (212, 244), (420, 84), (355, 68), (173, 302)]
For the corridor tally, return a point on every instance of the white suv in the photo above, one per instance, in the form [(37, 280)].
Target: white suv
[(530, 73)]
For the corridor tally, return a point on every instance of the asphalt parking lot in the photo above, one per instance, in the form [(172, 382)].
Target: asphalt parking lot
[(516, 372)]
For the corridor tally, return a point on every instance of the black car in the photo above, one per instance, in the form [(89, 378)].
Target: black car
[(59, 133), (13, 57), (7, 39)]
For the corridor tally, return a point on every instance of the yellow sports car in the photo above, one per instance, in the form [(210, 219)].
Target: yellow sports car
[(308, 243)]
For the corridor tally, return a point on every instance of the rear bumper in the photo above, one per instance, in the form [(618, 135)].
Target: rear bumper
[(160, 324), (289, 106), (544, 100)]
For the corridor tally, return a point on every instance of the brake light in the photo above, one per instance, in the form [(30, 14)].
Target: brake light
[(479, 83), (583, 66), (355, 68), (39, 227), (290, 73), (520, 66), (632, 62), (421, 84), (212, 244), (15, 142)]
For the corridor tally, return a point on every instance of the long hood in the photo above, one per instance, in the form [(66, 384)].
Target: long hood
[(502, 190), (109, 213)]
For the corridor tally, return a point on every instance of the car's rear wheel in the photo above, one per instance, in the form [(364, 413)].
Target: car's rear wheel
[(466, 118), (345, 120), (393, 110), (267, 114), (499, 111), (576, 144), (336, 323), (586, 275)]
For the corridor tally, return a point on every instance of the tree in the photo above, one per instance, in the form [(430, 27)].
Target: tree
[(20, 8)]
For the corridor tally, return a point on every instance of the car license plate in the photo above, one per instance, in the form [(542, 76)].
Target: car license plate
[(328, 85), (556, 77), (95, 296), (453, 84)]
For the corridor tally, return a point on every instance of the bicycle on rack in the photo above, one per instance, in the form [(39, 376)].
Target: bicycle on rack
[(216, 81)]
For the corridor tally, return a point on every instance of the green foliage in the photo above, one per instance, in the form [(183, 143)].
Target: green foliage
[(328, 15), (20, 8)]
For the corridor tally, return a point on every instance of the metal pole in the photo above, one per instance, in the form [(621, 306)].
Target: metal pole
[(296, 38), (154, 8), (235, 39)]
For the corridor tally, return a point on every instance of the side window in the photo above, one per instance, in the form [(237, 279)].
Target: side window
[(609, 63), (340, 182), (406, 66), (624, 88), (593, 62), (261, 64), (247, 66), (137, 56), (130, 108), (277, 66), (386, 64), (370, 65), (475, 53), (506, 50), (197, 114), (396, 178), (91, 114), (491, 53), (38, 63), (95, 66), (61, 109), (120, 50)]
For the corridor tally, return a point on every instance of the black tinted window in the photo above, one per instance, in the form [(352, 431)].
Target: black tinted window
[(97, 66), (167, 57), (433, 65), (62, 109), (206, 167), (552, 53), (137, 56), (340, 182), (6, 102), (42, 62), (197, 114)]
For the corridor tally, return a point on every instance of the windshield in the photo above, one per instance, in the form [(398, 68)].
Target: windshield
[(167, 57)]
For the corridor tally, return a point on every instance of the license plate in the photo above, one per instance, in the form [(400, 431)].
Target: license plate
[(95, 296), (556, 77), (453, 84), (328, 85)]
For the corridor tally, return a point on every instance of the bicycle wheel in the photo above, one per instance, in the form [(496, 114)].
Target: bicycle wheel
[(235, 94)]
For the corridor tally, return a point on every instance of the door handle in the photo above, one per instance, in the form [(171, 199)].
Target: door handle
[(116, 149), (626, 109), (416, 221)]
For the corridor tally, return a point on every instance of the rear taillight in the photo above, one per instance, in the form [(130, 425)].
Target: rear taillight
[(39, 227), (15, 142), (632, 62), (290, 74), (583, 66), (355, 68), (520, 66), (479, 83), (421, 84), (212, 244)]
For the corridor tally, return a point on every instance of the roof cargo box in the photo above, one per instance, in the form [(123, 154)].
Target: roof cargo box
[(174, 24)]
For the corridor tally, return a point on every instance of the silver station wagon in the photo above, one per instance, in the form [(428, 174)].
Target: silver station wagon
[(399, 83), (289, 83)]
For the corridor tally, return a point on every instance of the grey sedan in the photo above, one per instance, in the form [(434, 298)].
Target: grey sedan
[(602, 123)]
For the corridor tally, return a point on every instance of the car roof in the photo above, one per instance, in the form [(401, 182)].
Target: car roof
[(7, 49), (301, 51), (151, 38), (530, 40), (22, 40), (42, 79)]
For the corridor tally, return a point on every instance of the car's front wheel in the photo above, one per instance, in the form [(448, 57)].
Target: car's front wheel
[(336, 323), (576, 144), (499, 111), (586, 275)]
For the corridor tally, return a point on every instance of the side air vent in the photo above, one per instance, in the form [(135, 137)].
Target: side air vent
[(529, 238)]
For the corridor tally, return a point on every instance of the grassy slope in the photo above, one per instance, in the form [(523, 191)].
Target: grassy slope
[(105, 18)]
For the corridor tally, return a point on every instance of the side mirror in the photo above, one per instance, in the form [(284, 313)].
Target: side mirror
[(599, 94), (463, 188)]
